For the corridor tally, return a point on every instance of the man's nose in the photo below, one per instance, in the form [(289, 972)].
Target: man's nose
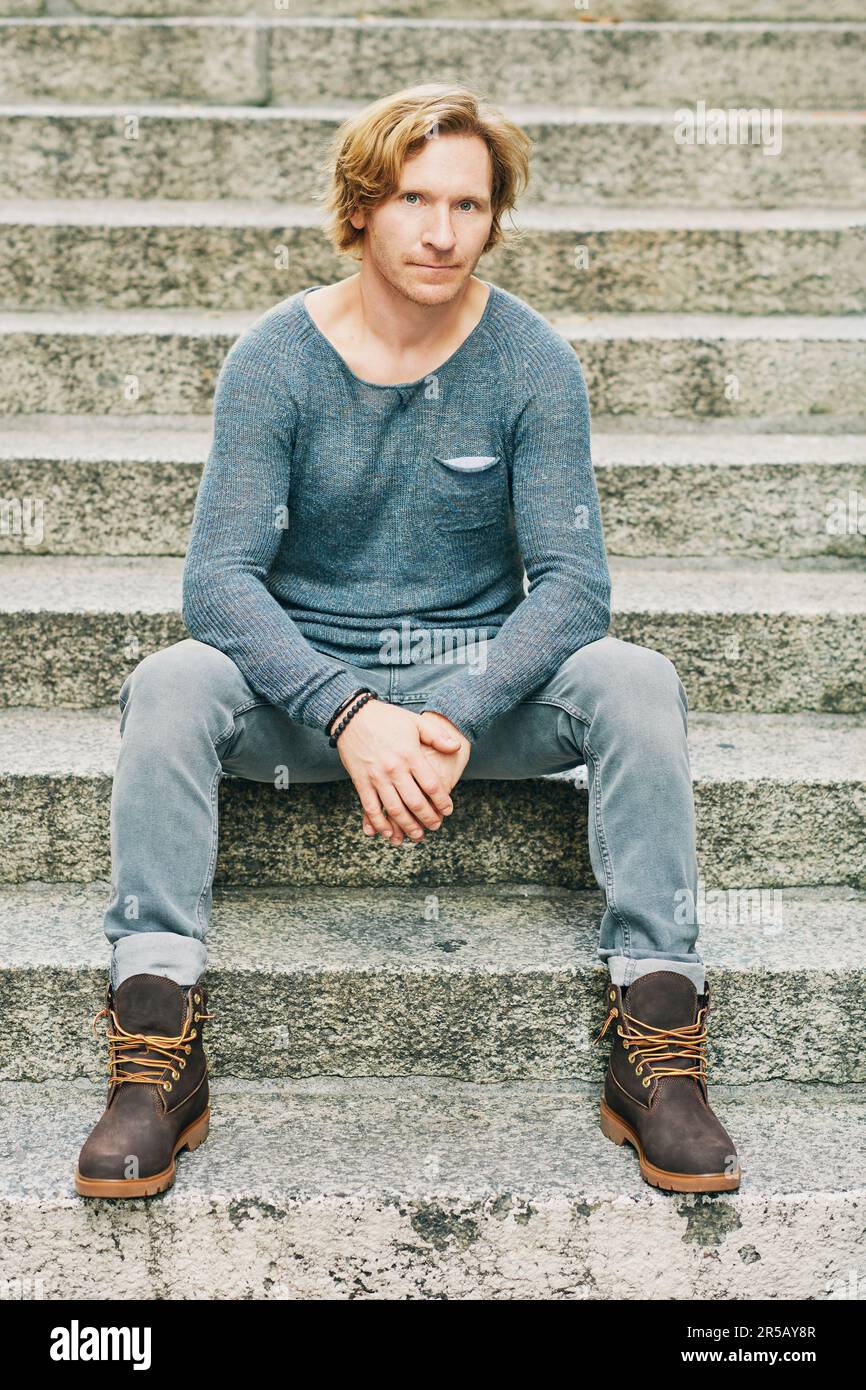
[(440, 231)]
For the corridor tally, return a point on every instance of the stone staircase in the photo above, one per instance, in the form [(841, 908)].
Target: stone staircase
[(405, 1091)]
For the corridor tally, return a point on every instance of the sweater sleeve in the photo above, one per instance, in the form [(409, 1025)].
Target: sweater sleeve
[(559, 531), (240, 515)]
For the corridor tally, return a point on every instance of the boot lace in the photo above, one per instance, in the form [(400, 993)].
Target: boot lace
[(649, 1046), (120, 1043)]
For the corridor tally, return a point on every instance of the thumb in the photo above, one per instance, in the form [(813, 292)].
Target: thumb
[(439, 738), (433, 734)]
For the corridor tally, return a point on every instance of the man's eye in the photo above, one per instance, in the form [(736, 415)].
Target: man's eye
[(463, 201)]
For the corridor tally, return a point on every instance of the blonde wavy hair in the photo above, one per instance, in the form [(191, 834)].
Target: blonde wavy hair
[(367, 152)]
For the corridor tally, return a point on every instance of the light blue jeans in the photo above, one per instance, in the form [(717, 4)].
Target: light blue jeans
[(188, 717)]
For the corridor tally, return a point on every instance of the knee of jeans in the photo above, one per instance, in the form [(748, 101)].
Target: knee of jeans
[(656, 672), (178, 675), (627, 674), (655, 676)]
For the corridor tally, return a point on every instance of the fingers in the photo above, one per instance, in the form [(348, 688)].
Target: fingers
[(415, 799), (396, 838), (408, 793), (431, 784), (375, 817), (409, 808), (373, 807), (408, 813)]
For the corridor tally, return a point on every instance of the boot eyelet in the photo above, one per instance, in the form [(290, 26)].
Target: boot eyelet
[(612, 994), (166, 1085), (192, 1034), (646, 1081), (639, 1070), (618, 1031), (196, 1016), (187, 1049), (181, 1063), (176, 1075), (197, 998), (632, 1057)]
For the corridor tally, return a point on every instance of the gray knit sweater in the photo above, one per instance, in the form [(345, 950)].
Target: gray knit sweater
[(339, 520)]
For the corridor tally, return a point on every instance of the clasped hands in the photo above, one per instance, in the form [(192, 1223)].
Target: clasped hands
[(403, 766)]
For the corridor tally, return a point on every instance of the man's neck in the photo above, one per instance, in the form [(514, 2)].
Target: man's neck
[(343, 313)]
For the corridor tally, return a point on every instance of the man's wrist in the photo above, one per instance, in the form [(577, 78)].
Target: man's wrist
[(361, 698), (341, 707)]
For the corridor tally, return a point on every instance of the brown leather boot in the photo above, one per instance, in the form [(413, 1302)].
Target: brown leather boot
[(655, 1090), (157, 1092)]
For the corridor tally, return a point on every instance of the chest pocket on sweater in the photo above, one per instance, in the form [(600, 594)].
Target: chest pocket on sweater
[(468, 491)]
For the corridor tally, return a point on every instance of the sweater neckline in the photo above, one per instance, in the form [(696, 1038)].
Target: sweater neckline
[(400, 385)]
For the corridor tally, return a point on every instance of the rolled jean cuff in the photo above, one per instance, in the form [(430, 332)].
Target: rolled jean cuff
[(624, 970), (179, 958)]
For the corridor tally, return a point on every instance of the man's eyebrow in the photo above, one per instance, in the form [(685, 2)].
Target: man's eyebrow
[(413, 188)]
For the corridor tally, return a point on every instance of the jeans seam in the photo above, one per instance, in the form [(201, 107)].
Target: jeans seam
[(610, 892), (214, 799), (211, 864)]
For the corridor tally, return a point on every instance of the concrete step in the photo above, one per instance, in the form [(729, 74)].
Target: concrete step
[(109, 485), (223, 255), (780, 802), (494, 983), (754, 635), (429, 1188), (315, 60), (582, 156), (103, 485), (599, 11), (713, 488), (667, 366)]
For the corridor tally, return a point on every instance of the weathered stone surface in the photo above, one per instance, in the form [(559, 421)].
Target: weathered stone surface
[(780, 802), (668, 366), (114, 485), (120, 253), (405, 1090), (626, 157), (571, 64), (756, 636), (709, 10), (307, 60), (488, 983), (65, 58), (424, 1188)]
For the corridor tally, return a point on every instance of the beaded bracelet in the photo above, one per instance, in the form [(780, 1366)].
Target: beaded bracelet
[(353, 709), (344, 704)]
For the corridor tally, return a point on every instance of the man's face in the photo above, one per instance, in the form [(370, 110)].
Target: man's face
[(439, 216)]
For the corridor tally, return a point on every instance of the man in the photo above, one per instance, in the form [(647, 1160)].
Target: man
[(390, 453)]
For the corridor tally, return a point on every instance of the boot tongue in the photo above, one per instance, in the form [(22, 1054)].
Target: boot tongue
[(150, 1004), (663, 999)]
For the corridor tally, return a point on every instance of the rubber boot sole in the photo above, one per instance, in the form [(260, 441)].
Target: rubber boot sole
[(190, 1138), (616, 1129)]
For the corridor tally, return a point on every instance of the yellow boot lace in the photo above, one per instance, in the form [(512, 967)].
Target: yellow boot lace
[(649, 1046), (120, 1043)]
